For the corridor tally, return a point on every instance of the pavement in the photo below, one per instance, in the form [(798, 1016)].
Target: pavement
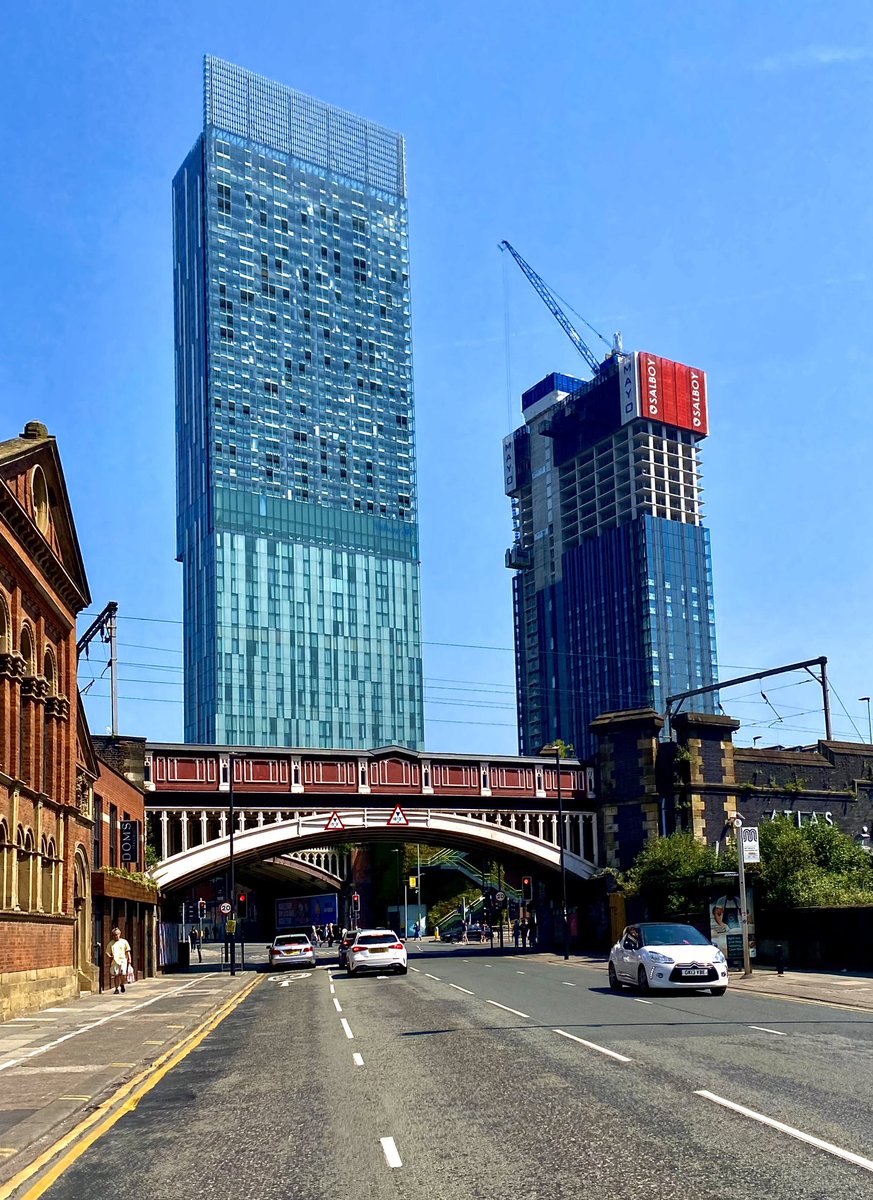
[(72, 1064)]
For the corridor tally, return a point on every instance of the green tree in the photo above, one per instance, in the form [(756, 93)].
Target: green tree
[(811, 866), (670, 872)]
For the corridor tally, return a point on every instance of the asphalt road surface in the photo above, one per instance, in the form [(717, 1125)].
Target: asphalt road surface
[(478, 1077)]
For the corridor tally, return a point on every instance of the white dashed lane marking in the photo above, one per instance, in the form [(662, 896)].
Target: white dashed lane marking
[(592, 1045), (829, 1147), (458, 988), (392, 1156), (764, 1029), (346, 1028), (506, 1008), (358, 1060)]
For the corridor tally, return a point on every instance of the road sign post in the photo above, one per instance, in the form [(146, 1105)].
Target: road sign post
[(737, 822)]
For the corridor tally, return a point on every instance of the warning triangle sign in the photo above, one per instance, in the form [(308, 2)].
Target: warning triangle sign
[(334, 823), (398, 817)]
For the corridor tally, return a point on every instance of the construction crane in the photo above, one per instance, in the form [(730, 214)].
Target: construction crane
[(548, 298)]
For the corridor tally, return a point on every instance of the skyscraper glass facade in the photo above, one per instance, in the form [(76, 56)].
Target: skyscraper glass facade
[(297, 520), (613, 596)]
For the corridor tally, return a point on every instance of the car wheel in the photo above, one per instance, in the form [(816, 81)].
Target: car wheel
[(401, 970), (643, 980), (720, 991), (614, 981)]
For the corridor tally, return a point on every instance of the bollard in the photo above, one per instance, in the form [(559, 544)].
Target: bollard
[(780, 960)]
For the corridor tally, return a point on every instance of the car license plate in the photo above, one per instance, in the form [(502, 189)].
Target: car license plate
[(694, 971), (379, 950)]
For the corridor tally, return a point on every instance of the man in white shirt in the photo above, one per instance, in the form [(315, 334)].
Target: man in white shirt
[(118, 954)]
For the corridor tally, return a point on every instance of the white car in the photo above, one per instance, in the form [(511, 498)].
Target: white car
[(376, 950), (291, 950), (665, 954)]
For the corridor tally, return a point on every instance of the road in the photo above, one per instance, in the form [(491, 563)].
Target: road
[(430, 1085)]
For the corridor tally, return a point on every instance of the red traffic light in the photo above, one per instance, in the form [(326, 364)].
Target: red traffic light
[(355, 898)]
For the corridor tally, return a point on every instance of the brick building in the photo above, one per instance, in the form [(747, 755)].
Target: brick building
[(48, 763), (118, 847)]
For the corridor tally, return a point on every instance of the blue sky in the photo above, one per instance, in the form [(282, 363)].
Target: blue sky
[(695, 175)]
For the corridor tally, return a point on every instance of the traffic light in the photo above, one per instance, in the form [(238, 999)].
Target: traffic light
[(242, 906), (527, 889), (201, 909)]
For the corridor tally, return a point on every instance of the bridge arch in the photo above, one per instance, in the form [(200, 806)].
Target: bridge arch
[(531, 835)]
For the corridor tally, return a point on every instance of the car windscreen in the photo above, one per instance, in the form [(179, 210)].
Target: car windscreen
[(291, 939), (376, 939), (672, 935)]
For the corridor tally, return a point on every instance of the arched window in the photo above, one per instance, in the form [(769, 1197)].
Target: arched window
[(7, 852), (49, 726), (25, 715), (25, 863), (6, 734), (48, 872)]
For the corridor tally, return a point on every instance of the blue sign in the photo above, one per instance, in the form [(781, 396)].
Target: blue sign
[(302, 912)]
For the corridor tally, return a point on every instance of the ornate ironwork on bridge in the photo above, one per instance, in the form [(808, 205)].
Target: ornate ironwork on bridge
[(308, 804)]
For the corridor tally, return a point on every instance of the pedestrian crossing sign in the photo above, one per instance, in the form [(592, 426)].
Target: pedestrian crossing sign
[(335, 822), (398, 817)]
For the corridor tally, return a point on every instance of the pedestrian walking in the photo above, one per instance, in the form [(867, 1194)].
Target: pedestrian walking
[(532, 936), (523, 932), (194, 939), (315, 939), (416, 931), (118, 953), (464, 932), (515, 932)]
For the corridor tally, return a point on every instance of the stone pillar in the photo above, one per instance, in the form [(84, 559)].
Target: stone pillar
[(704, 770), (627, 786)]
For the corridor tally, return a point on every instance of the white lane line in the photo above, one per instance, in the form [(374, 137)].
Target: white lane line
[(764, 1029), (639, 1001), (122, 1012), (358, 1060), (336, 1004), (506, 1008), (390, 1150), (458, 988), (436, 977), (521, 972), (346, 1028), (416, 970), (591, 1045), (837, 1151), (564, 981)]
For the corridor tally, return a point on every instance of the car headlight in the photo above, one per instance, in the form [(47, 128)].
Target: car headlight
[(657, 957), (719, 957)]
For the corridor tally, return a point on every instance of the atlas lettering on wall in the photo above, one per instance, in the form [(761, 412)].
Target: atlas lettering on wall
[(813, 818)]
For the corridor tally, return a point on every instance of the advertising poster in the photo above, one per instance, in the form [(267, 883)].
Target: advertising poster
[(302, 912), (725, 930)]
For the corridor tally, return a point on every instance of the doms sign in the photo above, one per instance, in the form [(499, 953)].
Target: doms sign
[(130, 834)]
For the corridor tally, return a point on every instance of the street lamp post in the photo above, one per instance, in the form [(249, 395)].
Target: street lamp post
[(555, 748), (866, 700), (230, 806)]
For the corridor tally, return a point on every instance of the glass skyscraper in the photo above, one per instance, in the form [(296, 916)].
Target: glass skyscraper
[(612, 592), (296, 489)]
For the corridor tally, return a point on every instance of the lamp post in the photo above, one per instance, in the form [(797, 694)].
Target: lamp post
[(230, 806), (866, 700), (556, 749)]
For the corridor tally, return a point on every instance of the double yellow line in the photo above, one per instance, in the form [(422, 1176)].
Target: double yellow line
[(67, 1149)]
